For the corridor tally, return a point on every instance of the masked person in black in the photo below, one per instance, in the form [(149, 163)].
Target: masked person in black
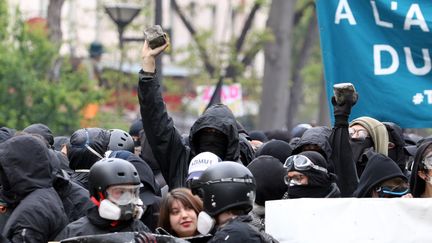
[(367, 133), (381, 178), (269, 175), (214, 131), (308, 177), (27, 188), (114, 189), (228, 192)]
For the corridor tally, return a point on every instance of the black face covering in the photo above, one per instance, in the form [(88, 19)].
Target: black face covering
[(214, 142), (358, 147), (307, 191)]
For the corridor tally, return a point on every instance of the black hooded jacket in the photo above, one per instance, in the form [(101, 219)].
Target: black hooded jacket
[(80, 157), (379, 168), (93, 224), (237, 230), (26, 177), (417, 184), (166, 143), (318, 136)]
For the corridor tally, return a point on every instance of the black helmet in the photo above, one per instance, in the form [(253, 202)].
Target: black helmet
[(120, 140), (226, 185), (111, 171)]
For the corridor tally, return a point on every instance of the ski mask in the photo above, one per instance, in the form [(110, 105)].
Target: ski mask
[(318, 187), (215, 142), (358, 147)]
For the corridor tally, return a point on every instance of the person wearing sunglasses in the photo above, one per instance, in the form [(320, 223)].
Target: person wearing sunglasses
[(308, 177), (382, 178), (421, 176)]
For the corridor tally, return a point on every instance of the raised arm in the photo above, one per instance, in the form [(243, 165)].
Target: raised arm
[(162, 136), (341, 155)]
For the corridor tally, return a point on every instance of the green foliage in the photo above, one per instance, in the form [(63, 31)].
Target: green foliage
[(27, 95)]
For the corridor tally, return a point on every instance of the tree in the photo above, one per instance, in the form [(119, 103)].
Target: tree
[(26, 94), (277, 66)]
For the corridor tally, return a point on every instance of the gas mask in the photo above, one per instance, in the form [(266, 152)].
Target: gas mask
[(122, 203), (205, 223)]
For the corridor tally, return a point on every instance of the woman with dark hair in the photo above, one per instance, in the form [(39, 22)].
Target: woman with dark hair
[(179, 212)]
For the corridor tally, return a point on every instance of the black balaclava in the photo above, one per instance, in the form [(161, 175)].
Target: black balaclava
[(359, 146), (215, 142), (319, 182)]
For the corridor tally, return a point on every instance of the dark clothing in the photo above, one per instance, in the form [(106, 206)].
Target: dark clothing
[(80, 157), (247, 153), (6, 133), (313, 192), (80, 177), (417, 184), (279, 149), (258, 223), (316, 136), (75, 198), (269, 176), (42, 130), (93, 224), (168, 148), (38, 218), (26, 178), (379, 168), (342, 159), (237, 230)]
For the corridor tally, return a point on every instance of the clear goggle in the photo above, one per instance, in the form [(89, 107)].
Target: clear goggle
[(301, 163), (358, 133), (123, 194)]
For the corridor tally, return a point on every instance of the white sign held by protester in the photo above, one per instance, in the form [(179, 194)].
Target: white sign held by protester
[(353, 220)]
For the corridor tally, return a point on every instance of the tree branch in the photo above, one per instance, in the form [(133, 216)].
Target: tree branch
[(203, 53)]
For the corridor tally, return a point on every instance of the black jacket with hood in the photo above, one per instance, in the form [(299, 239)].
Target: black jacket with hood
[(171, 153), (379, 168), (417, 184), (93, 224), (26, 177), (80, 157)]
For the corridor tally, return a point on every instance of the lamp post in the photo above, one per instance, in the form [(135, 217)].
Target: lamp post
[(122, 15)]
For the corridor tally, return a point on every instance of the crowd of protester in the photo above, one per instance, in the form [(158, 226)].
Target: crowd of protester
[(209, 186)]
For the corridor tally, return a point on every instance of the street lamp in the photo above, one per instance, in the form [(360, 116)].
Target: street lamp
[(122, 15)]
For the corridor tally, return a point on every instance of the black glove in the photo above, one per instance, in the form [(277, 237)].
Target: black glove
[(342, 111)]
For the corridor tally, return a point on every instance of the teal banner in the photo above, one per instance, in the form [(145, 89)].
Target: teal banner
[(383, 47)]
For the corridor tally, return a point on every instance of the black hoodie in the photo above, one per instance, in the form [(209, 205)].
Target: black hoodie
[(26, 177), (167, 144), (318, 136), (417, 184), (379, 168)]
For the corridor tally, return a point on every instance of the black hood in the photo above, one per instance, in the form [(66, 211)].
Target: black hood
[(25, 167), (269, 175), (42, 130), (379, 168), (81, 157), (6, 133), (417, 184), (222, 119), (318, 136), (279, 149)]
